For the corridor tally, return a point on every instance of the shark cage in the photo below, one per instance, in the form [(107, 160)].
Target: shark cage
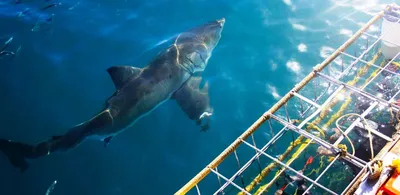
[(336, 132)]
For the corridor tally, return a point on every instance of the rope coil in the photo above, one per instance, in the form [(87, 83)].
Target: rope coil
[(202, 174), (313, 124), (375, 168)]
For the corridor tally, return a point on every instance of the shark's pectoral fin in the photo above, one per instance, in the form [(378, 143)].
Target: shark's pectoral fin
[(121, 74), (195, 101), (107, 141)]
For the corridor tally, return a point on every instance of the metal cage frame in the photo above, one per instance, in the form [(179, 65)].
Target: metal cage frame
[(319, 108)]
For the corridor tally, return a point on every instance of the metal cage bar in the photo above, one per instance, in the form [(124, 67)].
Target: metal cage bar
[(232, 183), (290, 168), (248, 163), (323, 172), (211, 167)]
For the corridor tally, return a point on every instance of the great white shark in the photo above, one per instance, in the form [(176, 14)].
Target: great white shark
[(175, 73)]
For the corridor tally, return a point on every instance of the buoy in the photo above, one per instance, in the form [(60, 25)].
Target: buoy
[(390, 34)]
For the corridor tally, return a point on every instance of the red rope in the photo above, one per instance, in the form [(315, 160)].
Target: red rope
[(283, 187)]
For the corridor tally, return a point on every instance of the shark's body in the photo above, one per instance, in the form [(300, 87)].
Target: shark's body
[(173, 74)]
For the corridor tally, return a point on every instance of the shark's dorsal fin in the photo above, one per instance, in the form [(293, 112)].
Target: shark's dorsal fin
[(121, 74)]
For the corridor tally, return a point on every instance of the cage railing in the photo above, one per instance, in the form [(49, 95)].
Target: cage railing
[(303, 133)]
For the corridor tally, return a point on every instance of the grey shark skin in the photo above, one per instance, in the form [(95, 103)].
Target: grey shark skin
[(175, 73)]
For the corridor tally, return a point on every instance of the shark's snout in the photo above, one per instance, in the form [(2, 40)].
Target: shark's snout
[(221, 22)]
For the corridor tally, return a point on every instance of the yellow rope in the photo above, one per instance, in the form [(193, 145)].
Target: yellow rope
[(367, 127), (345, 135), (317, 170), (311, 126), (314, 123), (271, 166), (396, 64), (360, 73), (249, 131), (347, 102), (277, 175)]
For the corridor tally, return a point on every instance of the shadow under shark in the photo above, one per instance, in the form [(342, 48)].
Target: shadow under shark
[(175, 73)]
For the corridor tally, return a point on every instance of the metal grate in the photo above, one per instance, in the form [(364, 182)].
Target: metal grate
[(302, 119)]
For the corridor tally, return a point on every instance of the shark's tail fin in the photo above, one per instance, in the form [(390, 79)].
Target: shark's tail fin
[(16, 153)]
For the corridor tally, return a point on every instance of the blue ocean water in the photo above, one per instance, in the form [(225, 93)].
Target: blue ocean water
[(58, 79)]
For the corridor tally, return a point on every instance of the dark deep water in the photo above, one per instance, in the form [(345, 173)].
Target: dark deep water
[(58, 80)]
